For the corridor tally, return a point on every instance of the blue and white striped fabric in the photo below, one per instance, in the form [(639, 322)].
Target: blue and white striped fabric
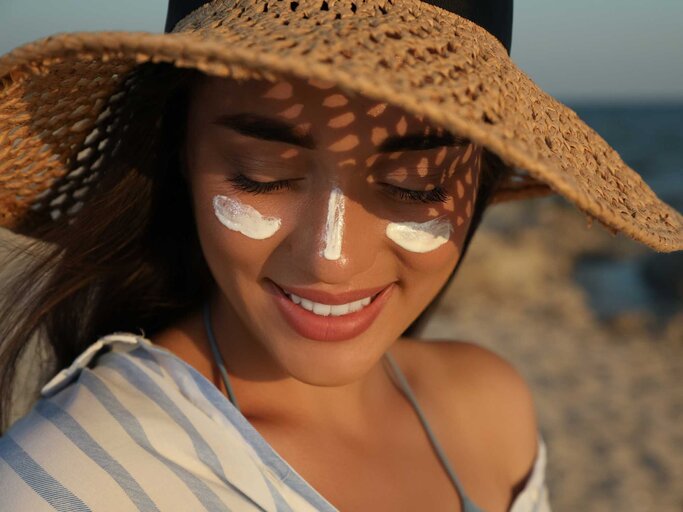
[(133, 427)]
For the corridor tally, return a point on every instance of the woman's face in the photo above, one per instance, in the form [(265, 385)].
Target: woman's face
[(328, 221)]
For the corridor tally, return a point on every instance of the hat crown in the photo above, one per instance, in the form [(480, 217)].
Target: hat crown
[(493, 15)]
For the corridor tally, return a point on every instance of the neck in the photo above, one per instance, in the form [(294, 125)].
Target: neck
[(266, 392)]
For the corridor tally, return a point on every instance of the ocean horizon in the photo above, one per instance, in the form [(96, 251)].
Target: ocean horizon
[(648, 135)]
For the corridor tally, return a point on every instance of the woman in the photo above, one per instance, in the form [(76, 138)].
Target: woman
[(277, 227)]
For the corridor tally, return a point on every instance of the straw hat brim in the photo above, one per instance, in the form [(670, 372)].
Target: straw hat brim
[(411, 54)]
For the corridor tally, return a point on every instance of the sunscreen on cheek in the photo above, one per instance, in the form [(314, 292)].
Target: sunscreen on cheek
[(243, 218), (420, 236)]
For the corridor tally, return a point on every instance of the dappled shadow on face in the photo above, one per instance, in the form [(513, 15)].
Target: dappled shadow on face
[(357, 138)]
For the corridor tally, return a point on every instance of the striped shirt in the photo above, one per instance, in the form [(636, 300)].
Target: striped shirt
[(129, 426)]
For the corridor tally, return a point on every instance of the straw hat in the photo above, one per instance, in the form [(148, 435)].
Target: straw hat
[(61, 96)]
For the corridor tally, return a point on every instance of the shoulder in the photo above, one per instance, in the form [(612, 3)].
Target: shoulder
[(466, 366), (473, 386), (32, 452), (90, 418), (20, 477)]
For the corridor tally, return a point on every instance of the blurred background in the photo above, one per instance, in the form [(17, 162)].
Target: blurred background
[(593, 321)]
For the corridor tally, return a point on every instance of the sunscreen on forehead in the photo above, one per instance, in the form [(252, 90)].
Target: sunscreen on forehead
[(244, 218), (420, 236), (334, 227)]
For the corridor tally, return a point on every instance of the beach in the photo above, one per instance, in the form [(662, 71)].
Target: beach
[(606, 381)]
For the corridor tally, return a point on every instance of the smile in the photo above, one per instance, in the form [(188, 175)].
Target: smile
[(329, 309), (323, 316)]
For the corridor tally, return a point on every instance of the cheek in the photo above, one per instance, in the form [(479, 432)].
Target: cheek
[(420, 237), (434, 262), (426, 248), (236, 238), (423, 275), (424, 251), (244, 218)]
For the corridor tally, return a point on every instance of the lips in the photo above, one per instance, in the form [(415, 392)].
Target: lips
[(328, 328), (330, 298)]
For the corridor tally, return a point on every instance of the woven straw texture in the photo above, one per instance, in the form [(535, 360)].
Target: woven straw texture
[(59, 96)]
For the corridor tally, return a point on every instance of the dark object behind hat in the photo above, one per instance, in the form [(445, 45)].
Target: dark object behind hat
[(493, 15)]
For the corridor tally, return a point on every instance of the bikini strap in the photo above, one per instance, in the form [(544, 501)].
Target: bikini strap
[(217, 355), (402, 383), (396, 376)]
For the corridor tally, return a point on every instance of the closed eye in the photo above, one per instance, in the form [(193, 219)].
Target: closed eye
[(435, 195), (241, 182), (245, 184)]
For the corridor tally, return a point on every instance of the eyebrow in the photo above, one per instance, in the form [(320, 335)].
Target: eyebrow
[(267, 128)]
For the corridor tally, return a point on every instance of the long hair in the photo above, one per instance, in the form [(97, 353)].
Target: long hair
[(129, 259)]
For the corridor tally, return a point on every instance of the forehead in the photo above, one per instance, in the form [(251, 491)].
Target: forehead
[(319, 103)]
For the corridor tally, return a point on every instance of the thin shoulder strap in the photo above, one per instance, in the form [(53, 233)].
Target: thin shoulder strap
[(397, 377), (402, 383), (217, 355)]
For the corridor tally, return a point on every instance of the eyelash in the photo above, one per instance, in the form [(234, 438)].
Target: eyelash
[(436, 195), (241, 182)]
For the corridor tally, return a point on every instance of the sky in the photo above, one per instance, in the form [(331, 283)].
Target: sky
[(578, 51)]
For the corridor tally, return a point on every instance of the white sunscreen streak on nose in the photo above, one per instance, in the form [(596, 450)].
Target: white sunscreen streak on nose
[(243, 218), (334, 228), (420, 236)]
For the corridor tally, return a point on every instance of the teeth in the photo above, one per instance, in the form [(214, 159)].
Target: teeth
[(340, 309), (321, 309), (328, 309)]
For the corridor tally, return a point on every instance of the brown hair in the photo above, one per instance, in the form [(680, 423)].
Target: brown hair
[(129, 259)]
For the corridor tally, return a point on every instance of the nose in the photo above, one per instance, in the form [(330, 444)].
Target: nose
[(333, 240)]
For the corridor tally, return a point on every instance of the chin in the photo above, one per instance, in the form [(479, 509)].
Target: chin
[(327, 364), (325, 350)]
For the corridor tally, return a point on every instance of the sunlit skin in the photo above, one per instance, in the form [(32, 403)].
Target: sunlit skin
[(332, 397), (346, 156)]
